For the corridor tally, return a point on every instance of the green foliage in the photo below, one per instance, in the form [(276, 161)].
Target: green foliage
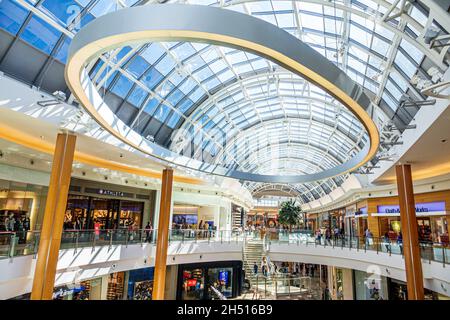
[(290, 214)]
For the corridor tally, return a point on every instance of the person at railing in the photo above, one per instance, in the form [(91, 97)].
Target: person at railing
[(200, 227), (387, 242), (400, 241), (443, 239), (148, 232), (368, 237), (97, 229), (9, 223), (328, 237), (318, 236), (326, 294)]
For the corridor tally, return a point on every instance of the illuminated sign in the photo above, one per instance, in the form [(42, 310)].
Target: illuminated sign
[(361, 211), (420, 207)]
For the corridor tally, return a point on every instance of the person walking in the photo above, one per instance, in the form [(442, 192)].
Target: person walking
[(11, 223), (148, 229), (387, 242), (400, 241), (97, 229), (255, 268)]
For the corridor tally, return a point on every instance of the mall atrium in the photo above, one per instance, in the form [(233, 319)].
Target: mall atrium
[(224, 150)]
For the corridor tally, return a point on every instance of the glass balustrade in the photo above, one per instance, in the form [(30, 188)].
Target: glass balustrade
[(25, 243)]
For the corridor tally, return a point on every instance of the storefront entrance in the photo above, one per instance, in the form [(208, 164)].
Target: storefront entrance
[(83, 211), (196, 281)]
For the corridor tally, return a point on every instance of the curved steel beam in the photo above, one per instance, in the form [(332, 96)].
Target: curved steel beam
[(219, 27)]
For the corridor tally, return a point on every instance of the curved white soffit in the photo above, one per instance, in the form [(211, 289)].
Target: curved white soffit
[(193, 23)]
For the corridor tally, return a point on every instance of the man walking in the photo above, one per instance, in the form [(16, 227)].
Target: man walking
[(255, 268)]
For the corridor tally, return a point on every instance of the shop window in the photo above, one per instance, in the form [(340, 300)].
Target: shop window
[(193, 284), (115, 286), (21, 206)]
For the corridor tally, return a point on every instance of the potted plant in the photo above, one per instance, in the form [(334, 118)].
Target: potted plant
[(290, 214)]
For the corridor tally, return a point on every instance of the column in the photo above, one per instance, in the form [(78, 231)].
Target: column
[(411, 249), (163, 235), (50, 238)]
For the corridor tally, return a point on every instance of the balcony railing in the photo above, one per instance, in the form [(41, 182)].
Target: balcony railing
[(13, 244)]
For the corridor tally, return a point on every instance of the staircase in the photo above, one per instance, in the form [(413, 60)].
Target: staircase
[(253, 252), (236, 220)]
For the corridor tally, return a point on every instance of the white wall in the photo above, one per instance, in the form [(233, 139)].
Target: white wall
[(16, 274)]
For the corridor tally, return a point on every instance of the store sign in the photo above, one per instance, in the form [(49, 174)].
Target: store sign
[(420, 207), (111, 193), (361, 211), (62, 292)]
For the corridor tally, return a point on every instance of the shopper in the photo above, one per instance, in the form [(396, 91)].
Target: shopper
[(97, 229), (387, 242), (78, 224), (328, 237), (318, 236), (148, 230), (367, 235), (11, 223), (6, 224), (400, 241), (255, 268)]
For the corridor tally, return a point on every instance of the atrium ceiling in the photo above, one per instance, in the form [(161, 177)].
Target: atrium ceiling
[(241, 110)]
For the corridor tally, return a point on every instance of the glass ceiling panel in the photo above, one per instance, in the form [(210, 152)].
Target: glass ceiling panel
[(192, 85)]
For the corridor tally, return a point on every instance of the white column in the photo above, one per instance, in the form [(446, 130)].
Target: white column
[(104, 291), (156, 216)]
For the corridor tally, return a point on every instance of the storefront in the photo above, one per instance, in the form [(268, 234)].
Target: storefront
[(337, 219), (85, 290), (340, 283), (398, 291), (195, 280), (112, 206), (431, 220), (324, 222), (22, 206), (185, 217), (140, 284), (370, 286), (350, 225), (361, 220), (312, 221)]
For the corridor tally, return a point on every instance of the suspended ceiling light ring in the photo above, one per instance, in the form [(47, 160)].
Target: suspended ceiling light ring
[(193, 23)]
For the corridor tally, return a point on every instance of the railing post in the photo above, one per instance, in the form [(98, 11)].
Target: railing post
[(76, 242), (276, 288), (93, 241), (443, 256), (256, 286), (12, 244), (36, 244), (126, 238), (376, 245), (357, 243), (265, 287), (111, 235), (350, 245)]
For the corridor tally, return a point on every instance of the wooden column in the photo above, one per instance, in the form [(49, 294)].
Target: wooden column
[(162, 241), (55, 207), (411, 249)]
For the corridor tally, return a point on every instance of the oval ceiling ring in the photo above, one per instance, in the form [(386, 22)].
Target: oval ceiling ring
[(197, 23)]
